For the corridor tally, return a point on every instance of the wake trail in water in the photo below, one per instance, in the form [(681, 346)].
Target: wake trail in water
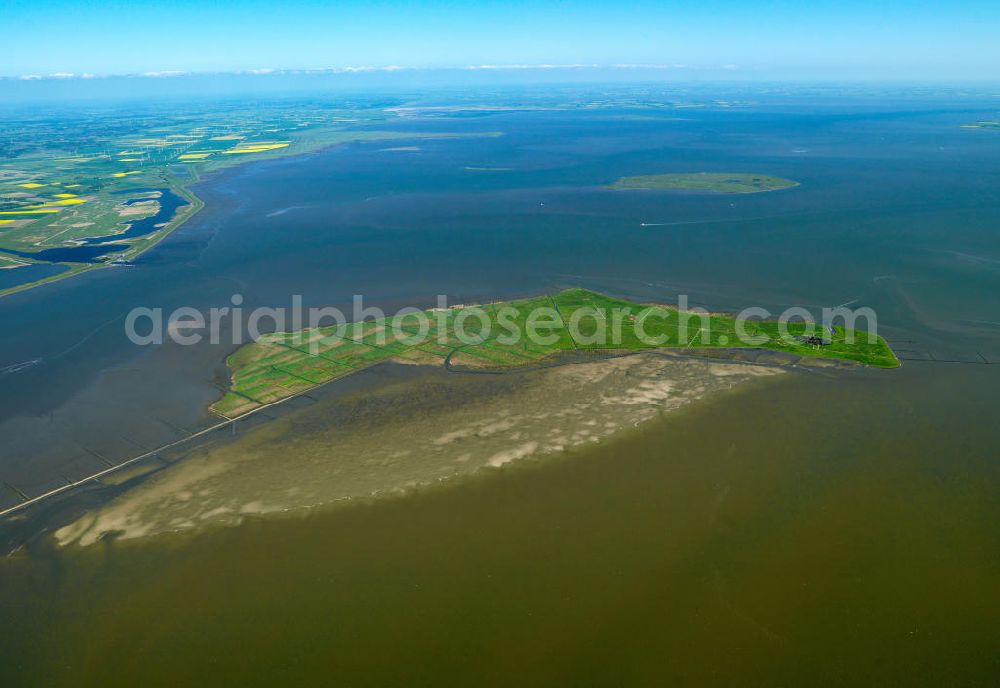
[(25, 365), (87, 337), (18, 367)]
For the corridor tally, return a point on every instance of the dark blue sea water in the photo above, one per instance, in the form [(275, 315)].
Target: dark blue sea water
[(897, 209), (28, 273)]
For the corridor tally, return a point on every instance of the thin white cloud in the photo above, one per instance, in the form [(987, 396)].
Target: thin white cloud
[(361, 69), (530, 66), (365, 68), (348, 69), (646, 66)]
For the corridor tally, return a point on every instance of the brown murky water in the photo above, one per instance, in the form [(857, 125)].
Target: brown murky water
[(816, 528)]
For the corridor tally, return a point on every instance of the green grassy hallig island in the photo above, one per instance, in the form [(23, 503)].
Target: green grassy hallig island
[(983, 124), (712, 182), (283, 364)]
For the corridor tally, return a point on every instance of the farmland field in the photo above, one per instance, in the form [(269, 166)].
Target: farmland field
[(513, 334), (68, 182)]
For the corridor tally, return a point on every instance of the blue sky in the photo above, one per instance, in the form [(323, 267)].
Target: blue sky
[(799, 39)]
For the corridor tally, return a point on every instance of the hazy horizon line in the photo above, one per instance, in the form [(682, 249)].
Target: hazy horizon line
[(714, 70)]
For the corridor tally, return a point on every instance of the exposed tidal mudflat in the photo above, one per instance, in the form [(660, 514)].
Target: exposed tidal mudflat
[(413, 428)]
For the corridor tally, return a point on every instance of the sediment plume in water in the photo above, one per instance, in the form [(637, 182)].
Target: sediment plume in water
[(404, 435)]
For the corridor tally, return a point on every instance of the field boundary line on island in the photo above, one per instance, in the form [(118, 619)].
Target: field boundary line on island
[(257, 377)]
